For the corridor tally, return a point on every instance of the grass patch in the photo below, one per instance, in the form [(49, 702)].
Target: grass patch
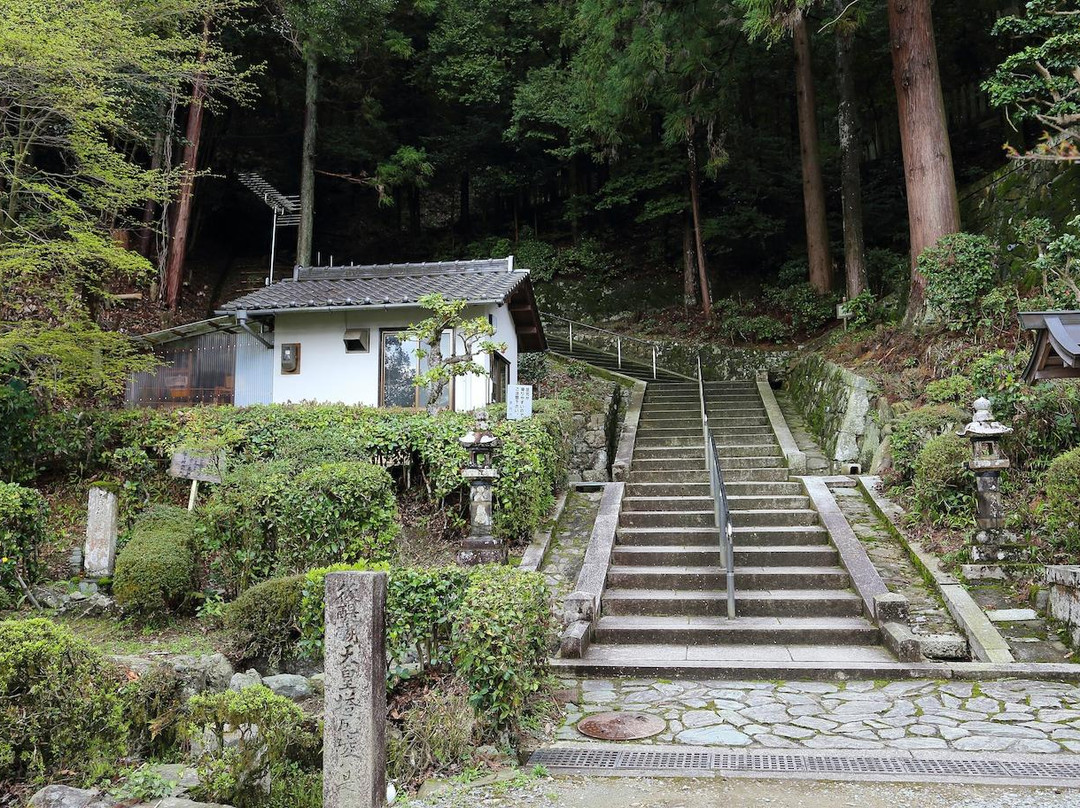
[(182, 635)]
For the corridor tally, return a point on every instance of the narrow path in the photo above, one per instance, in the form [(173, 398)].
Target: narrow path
[(1017, 716)]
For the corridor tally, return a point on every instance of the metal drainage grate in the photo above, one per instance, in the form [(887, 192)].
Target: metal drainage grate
[(625, 760)]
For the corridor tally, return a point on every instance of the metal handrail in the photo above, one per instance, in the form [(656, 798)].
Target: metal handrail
[(721, 512), (653, 346)]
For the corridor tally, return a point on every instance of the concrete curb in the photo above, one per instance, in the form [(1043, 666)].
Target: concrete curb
[(533, 558), (986, 642), (583, 604), (864, 575), (624, 452), (793, 455), (818, 671)]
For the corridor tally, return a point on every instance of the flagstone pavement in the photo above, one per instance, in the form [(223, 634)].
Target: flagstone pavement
[(1023, 717)]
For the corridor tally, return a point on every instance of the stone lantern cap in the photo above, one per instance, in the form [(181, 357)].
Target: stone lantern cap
[(480, 436), (983, 426)]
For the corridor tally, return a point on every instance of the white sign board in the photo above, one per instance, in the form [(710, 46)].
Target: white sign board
[(518, 401)]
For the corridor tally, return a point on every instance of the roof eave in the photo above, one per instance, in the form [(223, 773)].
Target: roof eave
[(349, 307)]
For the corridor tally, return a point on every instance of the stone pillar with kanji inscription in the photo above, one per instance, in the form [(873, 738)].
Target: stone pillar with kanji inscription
[(102, 518), (354, 723)]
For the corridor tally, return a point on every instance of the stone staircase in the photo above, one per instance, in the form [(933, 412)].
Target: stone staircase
[(607, 361), (664, 603)]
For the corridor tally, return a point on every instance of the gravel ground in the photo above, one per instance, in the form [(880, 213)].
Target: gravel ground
[(626, 792)]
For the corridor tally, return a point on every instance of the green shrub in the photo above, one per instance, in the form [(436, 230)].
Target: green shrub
[(24, 517), (501, 641), (60, 704), (311, 617), (337, 512), (807, 309), (271, 728), (1046, 421), (422, 607), (155, 572), (1062, 484), (438, 732), (241, 520), (913, 429), (944, 488), (532, 367), (959, 270), (864, 309), (264, 622), (955, 389)]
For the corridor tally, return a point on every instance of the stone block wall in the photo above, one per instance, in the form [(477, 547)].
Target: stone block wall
[(1064, 604), (595, 434), (845, 412)]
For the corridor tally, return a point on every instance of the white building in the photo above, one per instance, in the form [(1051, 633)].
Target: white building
[(336, 335)]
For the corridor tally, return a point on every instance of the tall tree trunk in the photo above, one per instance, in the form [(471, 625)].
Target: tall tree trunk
[(146, 231), (689, 269), (933, 210), (817, 229), (850, 170), (305, 236), (174, 269), (695, 210)]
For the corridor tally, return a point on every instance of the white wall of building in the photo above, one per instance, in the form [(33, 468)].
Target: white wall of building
[(330, 375)]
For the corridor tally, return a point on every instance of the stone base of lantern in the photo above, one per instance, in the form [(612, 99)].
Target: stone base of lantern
[(996, 546), (476, 551)]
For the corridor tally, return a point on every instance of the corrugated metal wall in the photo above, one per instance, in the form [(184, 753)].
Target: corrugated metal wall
[(254, 371), (199, 370)]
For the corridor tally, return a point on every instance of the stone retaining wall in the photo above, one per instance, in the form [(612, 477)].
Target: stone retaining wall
[(595, 434), (1064, 583), (845, 413)]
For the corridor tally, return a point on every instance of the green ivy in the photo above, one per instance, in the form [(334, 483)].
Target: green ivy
[(959, 270)]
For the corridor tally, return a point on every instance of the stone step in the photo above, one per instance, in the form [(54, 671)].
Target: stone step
[(767, 517), (771, 535), (663, 421), (713, 578), (666, 518), (711, 400), (710, 536), (670, 476), (696, 453), (757, 502), (701, 489), (699, 502), (826, 663), (670, 465), (755, 450), (821, 555), (762, 473), (763, 603), (742, 630), (764, 460)]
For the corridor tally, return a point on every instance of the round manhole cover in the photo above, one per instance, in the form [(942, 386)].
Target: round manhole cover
[(621, 726)]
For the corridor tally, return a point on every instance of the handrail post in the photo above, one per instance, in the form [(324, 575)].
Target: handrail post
[(721, 513), (654, 361), (618, 348), (571, 336)]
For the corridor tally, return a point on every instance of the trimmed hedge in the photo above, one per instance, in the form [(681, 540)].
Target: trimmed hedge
[(1062, 483), (24, 516), (944, 488), (265, 620), (913, 429), (491, 625), (155, 572), (60, 703)]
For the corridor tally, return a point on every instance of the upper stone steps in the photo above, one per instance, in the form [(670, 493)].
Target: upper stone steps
[(714, 577), (705, 501), (695, 472), (750, 536), (701, 489), (759, 603), (695, 629), (799, 555)]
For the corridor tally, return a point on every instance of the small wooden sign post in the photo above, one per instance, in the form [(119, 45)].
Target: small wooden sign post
[(197, 465)]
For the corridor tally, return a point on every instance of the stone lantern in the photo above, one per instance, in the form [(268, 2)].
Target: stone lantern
[(480, 546), (992, 542)]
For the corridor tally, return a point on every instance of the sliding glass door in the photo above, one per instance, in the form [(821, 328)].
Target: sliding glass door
[(400, 366)]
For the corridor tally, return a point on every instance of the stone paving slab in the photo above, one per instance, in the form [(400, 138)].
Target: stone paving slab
[(1018, 716)]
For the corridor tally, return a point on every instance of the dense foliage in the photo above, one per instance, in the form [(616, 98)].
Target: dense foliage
[(155, 571), (23, 529), (912, 430), (264, 622), (959, 270), (1062, 483), (943, 487), (61, 706), (271, 728)]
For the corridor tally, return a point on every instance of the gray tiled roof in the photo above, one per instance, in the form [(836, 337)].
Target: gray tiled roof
[(485, 281)]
